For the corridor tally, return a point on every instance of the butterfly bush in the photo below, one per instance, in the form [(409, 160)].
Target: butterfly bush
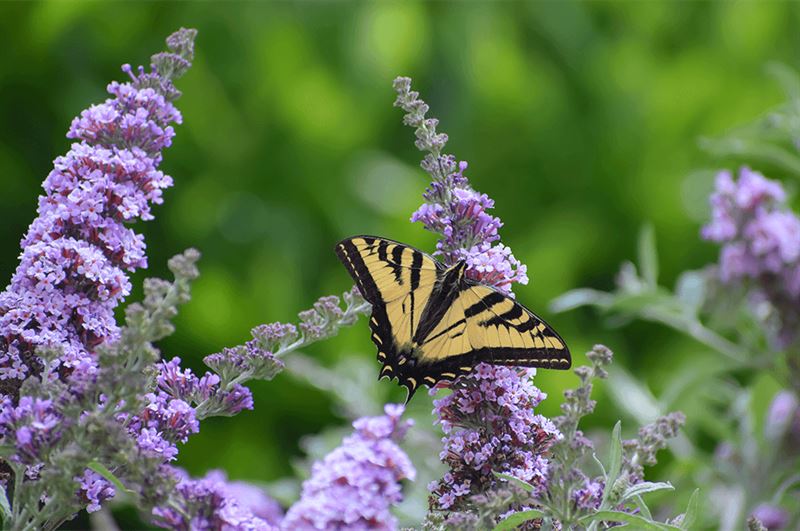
[(488, 419)]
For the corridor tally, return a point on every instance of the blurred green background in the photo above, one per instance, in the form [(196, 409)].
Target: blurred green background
[(580, 119)]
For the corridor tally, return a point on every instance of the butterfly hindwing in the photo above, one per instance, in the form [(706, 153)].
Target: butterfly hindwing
[(432, 324)]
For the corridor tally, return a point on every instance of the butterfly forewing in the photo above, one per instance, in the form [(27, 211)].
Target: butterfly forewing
[(398, 281)]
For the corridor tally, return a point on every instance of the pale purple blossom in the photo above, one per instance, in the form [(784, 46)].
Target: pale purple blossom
[(94, 490), (760, 239), (355, 486)]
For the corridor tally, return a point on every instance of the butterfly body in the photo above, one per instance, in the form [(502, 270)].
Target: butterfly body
[(432, 323)]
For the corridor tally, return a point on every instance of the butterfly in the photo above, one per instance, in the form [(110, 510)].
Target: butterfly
[(432, 323)]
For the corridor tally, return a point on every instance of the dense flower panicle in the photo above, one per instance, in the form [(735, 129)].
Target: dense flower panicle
[(72, 271), (208, 504), (453, 209), (760, 240), (356, 484), (490, 426), (58, 310)]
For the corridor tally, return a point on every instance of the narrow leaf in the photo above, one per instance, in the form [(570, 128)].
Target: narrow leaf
[(5, 508), (615, 457), (638, 521), (600, 464), (643, 508), (516, 519), (527, 487), (580, 297), (101, 469), (644, 487), (690, 515), (614, 463), (648, 256)]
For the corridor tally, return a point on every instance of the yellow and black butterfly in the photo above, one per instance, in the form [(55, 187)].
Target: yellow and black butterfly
[(432, 323)]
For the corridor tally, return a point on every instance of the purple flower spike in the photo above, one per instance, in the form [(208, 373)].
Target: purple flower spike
[(453, 209), (490, 426), (760, 239), (356, 484), (77, 253)]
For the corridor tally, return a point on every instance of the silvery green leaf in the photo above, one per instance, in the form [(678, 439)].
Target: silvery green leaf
[(690, 290), (580, 297), (614, 461), (690, 516), (632, 397), (636, 521), (527, 487), (648, 255), (645, 487), (643, 508), (5, 507), (787, 77), (516, 519)]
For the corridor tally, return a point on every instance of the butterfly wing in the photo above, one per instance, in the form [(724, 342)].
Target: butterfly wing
[(398, 281), (485, 325)]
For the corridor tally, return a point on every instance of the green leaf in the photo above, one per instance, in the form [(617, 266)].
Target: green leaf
[(614, 462), (580, 297), (527, 487), (690, 515), (101, 469), (645, 487), (690, 290), (615, 457), (648, 256), (787, 78), (632, 396), (639, 522), (643, 508), (516, 519), (600, 464), (5, 507)]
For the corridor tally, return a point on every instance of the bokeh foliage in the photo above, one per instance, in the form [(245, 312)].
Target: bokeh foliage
[(580, 119)]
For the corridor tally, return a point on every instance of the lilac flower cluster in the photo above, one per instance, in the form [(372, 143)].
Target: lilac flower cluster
[(453, 209), (760, 240), (77, 252), (490, 426), (211, 503), (357, 483)]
